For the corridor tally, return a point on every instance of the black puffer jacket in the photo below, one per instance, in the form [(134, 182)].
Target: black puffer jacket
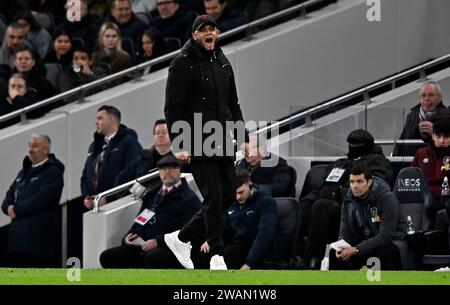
[(202, 83)]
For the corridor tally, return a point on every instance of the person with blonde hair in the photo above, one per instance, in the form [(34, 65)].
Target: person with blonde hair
[(111, 51)]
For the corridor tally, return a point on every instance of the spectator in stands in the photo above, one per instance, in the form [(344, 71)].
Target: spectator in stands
[(153, 46), (111, 51), (149, 157), (14, 38), (275, 179), (113, 148), (418, 124), (434, 160), (32, 204), (172, 21), (82, 71), (249, 225), (227, 17), (86, 29), (369, 223), (62, 49), (129, 25), (19, 96), (35, 33), (321, 207), (27, 63), (165, 209)]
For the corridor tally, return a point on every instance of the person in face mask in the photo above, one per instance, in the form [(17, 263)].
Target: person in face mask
[(322, 206)]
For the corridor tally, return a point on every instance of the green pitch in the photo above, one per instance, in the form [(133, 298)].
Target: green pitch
[(206, 277)]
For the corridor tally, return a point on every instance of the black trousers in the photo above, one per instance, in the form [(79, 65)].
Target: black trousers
[(124, 257), (323, 228), (235, 254), (24, 260), (215, 179), (389, 257)]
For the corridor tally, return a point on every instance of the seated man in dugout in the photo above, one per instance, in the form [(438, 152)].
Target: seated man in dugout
[(369, 224), (164, 209), (268, 175)]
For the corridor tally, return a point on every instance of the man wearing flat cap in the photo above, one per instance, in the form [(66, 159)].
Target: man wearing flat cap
[(201, 89), (164, 209), (322, 206)]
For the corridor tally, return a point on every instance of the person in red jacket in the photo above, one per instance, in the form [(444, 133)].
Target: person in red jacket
[(434, 160)]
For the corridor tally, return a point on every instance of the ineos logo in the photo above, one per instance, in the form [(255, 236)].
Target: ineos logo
[(409, 182)]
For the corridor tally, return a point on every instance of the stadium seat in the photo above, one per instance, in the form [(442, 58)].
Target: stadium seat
[(47, 21), (54, 72), (128, 46), (293, 181), (172, 43), (78, 42), (314, 177), (430, 246), (144, 17), (283, 251)]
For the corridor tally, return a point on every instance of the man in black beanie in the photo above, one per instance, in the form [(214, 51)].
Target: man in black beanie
[(322, 206)]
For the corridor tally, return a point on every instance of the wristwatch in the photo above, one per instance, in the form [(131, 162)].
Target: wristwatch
[(357, 251)]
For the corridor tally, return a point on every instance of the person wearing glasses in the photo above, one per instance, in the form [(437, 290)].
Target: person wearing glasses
[(201, 92), (164, 209), (418, 122)]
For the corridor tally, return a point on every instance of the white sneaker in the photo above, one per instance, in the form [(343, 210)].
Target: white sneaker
[(217, 263), (181, 250)]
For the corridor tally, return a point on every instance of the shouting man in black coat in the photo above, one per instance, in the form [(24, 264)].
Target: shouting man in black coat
[(201, 88)]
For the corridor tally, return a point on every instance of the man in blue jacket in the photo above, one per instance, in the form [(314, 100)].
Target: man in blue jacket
[(165, 209), (32, 203), (249, 225), (113, 148)]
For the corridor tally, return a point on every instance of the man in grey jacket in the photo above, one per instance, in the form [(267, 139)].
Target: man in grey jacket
[(369, 223)]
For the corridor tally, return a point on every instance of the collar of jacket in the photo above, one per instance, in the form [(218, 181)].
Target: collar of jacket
[(27, 164), (439, 106), (373, 188), (99, 138)]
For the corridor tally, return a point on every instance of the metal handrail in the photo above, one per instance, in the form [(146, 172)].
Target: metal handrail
[(402, 141), (365, 90), (121, 188), (135, 69)]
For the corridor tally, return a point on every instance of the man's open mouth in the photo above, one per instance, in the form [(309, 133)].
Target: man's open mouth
[(209, 40)]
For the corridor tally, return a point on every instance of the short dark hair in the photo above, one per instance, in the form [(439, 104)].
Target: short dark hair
[(111, 110), (82, 49), (441, 126), (159, 122), (242, 177), (26, 48), (360, 168), (26, 15)]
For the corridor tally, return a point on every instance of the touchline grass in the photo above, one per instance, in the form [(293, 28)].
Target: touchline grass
[(207, 277)]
